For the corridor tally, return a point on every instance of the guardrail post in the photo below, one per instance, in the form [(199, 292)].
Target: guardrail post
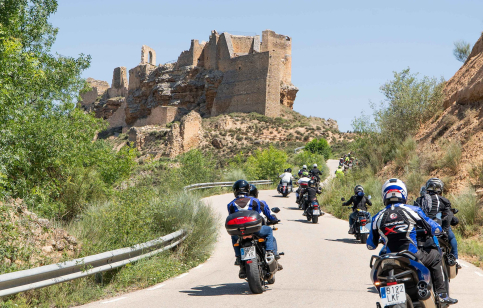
[(99, 278)]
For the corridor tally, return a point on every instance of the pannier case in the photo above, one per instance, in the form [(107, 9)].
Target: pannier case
[(243, 223)]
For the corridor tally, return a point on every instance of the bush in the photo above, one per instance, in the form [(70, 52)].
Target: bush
[(319, 146), (266, 164), (309, 158), (469, 210), (461, 50), (452, 157)]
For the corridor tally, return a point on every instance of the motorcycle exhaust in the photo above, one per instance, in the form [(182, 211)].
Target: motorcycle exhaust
[(425, 295), (451, 262)]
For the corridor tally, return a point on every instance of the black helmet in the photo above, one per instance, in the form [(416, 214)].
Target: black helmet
[(289, 170), (434, 185), (253, 191), (358, 188), (312, 183), (241, 187)]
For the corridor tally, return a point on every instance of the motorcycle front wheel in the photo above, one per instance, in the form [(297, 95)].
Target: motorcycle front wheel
[(254, 277)]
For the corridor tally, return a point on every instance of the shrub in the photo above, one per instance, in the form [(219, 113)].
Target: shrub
[(309, 158), (266, 164), (452, 156), (404, 152), (469, 210), (319, 146)]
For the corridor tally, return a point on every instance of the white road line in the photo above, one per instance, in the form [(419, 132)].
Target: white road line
[(465, 265), (201, 265), (182, 275), (113, 300), (479, 274), (156, 287)]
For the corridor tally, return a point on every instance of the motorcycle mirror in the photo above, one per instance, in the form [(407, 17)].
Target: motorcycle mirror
[(369, 197), (275, 209), (342, 199)]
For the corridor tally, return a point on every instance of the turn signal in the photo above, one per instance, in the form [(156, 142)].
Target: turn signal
[(236, 244), (261, 240), (275, 229), (377, 283)]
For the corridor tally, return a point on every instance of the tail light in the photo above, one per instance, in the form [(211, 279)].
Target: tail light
[(241, 220), (363, 220), (391, 283)]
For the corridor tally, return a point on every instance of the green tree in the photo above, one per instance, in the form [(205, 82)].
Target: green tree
[(461, 50), (46, 144), (266, 164), (319, 146), (409, 102)]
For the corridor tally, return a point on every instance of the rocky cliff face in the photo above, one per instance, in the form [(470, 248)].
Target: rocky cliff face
[(187, 88), (466, 86)]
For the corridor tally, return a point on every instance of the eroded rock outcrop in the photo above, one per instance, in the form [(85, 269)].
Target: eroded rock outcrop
[(466, 86)]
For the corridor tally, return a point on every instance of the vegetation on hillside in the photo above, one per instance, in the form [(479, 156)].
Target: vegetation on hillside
[(387, 148)]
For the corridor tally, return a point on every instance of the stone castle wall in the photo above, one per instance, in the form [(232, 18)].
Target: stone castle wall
[(229, 73)]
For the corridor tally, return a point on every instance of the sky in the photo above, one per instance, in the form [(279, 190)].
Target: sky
[(342, 51)]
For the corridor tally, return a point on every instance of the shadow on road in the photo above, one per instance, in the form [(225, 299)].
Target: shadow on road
[(302, 220), (219, 289), (344, 240), (292, 208), (372, 290)]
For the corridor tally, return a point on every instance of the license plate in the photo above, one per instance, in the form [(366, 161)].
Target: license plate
[(392, 295), (316, 212), (364, 229), (248, 253)]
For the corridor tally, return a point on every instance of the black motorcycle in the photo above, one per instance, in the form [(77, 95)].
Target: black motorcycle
[(313, 211), (260, 269), (402, 281), (361, 230)]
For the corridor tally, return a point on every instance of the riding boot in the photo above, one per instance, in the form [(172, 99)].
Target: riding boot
[(351, 230), (445, 299)]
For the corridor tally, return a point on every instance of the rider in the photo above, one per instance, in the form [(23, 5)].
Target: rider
[(303, 179), (301, 171), (286, 177), (312, 191), (244, 202), (339, 171), (397, 224), (316, 172), (358, 201), (438, 208)]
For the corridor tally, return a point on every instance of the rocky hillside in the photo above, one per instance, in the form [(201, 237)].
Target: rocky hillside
[(227, 135), (460, 125), (29, 241)]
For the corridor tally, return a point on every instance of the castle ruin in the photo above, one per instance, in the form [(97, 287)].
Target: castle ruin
[(229, 73)]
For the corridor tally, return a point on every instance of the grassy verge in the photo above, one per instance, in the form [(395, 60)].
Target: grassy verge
[(469, 232)]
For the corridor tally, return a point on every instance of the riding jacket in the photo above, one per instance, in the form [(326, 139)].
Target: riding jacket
[(397, 225), (246, 203)]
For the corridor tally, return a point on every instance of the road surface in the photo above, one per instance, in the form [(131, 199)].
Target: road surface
[(323, 267)]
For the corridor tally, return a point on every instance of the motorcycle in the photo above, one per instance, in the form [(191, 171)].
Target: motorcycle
[(403, 282), (260, 269), (301, 201), (313, 211), (284, 188), (360, 225)]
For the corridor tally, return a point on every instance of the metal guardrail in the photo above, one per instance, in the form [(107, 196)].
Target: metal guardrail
[(298, 149), (47, 275), (222, 184)]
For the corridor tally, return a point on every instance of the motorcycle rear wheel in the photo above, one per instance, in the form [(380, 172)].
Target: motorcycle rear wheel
[(364, 238), (254, 277), (315, 219), (284, 194)]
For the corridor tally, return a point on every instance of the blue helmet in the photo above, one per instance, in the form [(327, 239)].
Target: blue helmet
[(394, 191)]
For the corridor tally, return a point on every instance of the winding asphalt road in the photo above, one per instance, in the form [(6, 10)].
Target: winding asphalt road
[(323, 267)]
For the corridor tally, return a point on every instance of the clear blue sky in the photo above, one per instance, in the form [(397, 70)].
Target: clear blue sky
[(342, 51)]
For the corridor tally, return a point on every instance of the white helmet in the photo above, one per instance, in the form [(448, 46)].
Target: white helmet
[(304, 167), (315, 165), (394, 191)]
